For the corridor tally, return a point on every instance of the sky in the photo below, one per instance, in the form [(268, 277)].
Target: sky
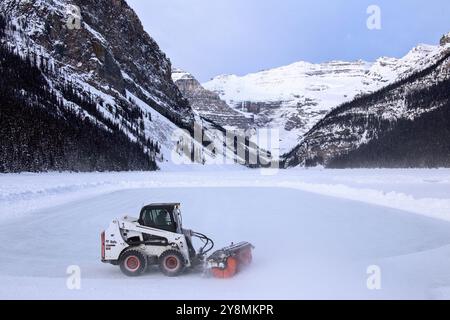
[(212, 37)]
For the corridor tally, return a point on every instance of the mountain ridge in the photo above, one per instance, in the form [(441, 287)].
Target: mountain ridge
[(295, 97)]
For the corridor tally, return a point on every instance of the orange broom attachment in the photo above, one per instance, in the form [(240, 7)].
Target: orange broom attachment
[(225, 263), (229, 271)]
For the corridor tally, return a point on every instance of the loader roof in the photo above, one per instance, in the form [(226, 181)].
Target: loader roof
[(158, 205)]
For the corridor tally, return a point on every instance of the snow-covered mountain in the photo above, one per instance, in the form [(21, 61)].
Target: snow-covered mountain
[(99, 51), (294, 98), (405, 124)]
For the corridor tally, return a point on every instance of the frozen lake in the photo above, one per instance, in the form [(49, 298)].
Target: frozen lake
[(316, 233)]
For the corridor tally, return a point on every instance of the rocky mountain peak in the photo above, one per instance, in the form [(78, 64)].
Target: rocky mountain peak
[(207, 104), (445, 40), (179, 74)]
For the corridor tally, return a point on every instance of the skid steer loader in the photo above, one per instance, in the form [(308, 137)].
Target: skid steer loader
[(157, 237)]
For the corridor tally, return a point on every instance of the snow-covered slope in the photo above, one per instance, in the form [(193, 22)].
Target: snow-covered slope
[(404, 124), (110, 59), (294, 98)]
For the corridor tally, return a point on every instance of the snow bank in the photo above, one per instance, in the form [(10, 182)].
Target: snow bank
[(423, 192)]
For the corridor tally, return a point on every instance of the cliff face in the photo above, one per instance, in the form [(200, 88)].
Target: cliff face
[(207, 104), (144, 67), (110, 50)]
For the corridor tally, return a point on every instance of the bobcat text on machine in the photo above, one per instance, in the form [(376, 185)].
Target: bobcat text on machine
[(158, 238)]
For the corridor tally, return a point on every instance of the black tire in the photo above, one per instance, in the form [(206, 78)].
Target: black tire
[(172, 263), (133, 262)]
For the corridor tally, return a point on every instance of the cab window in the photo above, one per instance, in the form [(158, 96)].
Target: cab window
[(158, 219)]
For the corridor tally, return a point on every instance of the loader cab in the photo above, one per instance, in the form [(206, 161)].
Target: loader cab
[(165, 217)]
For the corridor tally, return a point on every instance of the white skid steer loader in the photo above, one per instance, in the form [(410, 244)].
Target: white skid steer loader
[(158, 238)]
